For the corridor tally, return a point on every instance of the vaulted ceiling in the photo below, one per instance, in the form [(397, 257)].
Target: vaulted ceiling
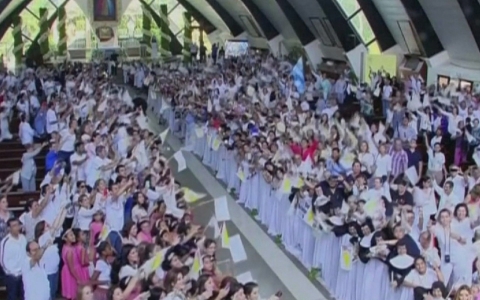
[(419, 27)]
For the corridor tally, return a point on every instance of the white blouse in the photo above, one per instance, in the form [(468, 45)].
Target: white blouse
[(436, 161), (423, 280)]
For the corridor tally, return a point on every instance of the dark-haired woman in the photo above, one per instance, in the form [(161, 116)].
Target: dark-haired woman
[(144, 229), (124, 290), (101, 274), (140, 209), (71, 277), (251, 291), (129, 233), (451, 244)]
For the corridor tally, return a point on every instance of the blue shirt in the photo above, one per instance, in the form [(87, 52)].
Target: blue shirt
[(40, 123), (190, 119), (50, 160), (335, 168), (414, 158)]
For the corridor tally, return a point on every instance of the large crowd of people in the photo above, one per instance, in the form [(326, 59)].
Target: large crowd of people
[(344, 190)]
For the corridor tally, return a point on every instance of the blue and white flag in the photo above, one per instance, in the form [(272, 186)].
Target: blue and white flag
[(298, 76)]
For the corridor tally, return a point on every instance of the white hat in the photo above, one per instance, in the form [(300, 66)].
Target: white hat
[(305, 106), (366, 241), (402, 262), (85, 138), (281, 127), (321, 200), (337, 221)]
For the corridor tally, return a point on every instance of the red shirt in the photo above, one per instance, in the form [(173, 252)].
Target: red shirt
[(309, 151)]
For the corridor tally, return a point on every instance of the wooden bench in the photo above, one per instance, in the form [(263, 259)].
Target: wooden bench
[(9, 145), (16, 162), (18, 188), (18, 200)]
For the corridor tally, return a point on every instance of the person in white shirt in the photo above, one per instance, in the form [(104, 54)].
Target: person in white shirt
[(447, 198), (5, 111), (29, 167), (436, 162), (78, 163), (13, 254), (25, 131), (85, 213), (386, 96), (50, 259), (52, 120), (114, 206), (35, 281), (23, 105), (97, 165), (383, 163), (67, 144), (459, 181)]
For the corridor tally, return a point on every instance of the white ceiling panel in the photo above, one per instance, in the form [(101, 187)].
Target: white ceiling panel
[(275, 15), (9, 9), (452, 29), (208, 12), (396, 18), (239, 13), (318, 23)]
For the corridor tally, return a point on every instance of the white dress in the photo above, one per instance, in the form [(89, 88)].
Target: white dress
[(4, 125), (458, 269), (305, 231), (345, 287), (289, 236)]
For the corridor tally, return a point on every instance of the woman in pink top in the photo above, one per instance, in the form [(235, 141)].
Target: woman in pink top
[(81, 250), (70, 275), (96, 226), (144, 234)]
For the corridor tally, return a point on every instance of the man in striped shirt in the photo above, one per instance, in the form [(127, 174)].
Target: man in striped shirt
[(399, 158)]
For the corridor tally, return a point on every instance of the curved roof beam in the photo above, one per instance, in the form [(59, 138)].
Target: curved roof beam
[(342, 28), (4, 4), (428, 38), (301, 29), (12, 11), (197, 15), (175, 46), (50, 22), (383, 35), (471, 11), (233, 26), (266, 26)]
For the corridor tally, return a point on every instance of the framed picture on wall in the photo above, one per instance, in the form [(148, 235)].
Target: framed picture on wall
[(466, 85), (443, 80), (105, 10)]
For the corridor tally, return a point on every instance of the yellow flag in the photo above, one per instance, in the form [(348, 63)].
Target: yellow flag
[(225, 237), (191, 196), (199, 132), (287, 185), (163, 135), (216, 144), (197, 263), (473, 210), (346, 260), (157, 261), (309, 217), (104, 233), (241, 175), (299, 183)]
